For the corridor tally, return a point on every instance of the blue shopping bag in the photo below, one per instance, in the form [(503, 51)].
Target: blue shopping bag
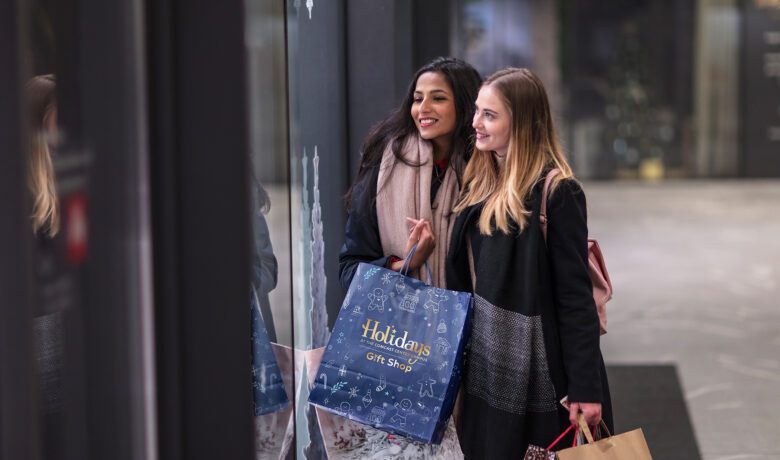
[(267, 384), (395, 356)]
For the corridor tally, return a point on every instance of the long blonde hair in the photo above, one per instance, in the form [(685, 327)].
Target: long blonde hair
[(533, 149), (40, 171)]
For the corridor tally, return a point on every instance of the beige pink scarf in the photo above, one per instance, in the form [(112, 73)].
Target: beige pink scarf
[(405, 191)]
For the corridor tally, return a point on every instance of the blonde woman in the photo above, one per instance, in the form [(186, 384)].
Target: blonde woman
[(535, 332), (42, 127)]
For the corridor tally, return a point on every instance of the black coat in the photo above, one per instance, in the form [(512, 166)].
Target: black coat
[(535, 335), (362, 242), (361, 233)]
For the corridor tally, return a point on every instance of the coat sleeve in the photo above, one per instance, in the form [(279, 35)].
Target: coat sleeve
[(361, 235), (578, 322)]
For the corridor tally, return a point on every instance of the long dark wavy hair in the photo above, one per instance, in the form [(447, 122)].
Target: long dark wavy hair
[(464, 81)]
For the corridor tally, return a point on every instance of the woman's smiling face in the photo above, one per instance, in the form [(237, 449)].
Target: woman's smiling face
[(491, 122), (433, 107)]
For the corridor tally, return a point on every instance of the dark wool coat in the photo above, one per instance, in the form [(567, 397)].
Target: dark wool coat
[(361, 236), (535, 336)]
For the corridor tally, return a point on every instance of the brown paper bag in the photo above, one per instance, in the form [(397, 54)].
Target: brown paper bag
[(625, 446)]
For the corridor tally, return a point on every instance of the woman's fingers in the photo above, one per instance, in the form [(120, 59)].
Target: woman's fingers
[(574, 409), (414, 235), (591, 412), (412, 223), (421, 232), (594, 418), (427, 237)]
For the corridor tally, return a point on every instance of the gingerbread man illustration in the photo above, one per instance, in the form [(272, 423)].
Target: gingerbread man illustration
[(403, 410), (378, 298)]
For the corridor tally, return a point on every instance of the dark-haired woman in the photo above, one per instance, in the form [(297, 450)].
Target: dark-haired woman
[(409, 180), (410, 173)]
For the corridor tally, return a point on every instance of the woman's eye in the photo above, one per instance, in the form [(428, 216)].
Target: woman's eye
[(439, 98), (417, 100)]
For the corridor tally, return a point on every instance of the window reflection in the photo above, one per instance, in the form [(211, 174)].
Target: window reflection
[(45, 222), (269, 301)]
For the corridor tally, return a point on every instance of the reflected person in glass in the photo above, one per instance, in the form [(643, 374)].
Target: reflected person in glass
[(40, 178), (40, 93), (535, 336), (409, 179), (264, 265), (271, 363)]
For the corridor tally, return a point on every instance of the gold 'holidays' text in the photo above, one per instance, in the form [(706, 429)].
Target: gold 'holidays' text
[(372, 329)]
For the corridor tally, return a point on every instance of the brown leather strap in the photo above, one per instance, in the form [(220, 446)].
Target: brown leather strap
[(472, 268), (545, 191)]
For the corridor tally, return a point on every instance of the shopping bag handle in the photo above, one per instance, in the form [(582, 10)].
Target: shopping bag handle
[(602, 425), (583, 426), (558, 439), (408, 261)]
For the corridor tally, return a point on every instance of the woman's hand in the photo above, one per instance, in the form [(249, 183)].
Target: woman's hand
[(591, 412), (420, 233)]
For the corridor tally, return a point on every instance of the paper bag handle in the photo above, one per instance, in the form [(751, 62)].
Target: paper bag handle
[(602, 425), (558, 439), (408, 260), (583, 426)]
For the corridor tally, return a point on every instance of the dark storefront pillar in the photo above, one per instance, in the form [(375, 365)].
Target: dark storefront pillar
[(761, 89)]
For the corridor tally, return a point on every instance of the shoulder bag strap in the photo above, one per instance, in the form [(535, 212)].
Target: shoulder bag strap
[(543, 208)]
